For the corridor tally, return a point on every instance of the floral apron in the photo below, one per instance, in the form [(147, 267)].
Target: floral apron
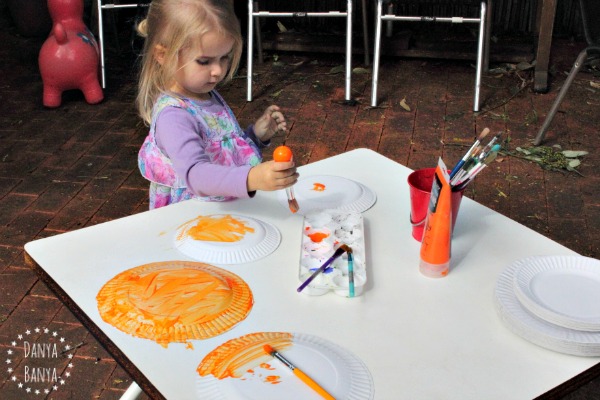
[(225, 143)]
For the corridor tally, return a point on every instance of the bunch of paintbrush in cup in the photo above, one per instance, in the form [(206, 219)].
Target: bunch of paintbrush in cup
[(474, 161)]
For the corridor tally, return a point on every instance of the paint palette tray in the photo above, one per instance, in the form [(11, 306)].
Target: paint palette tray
[(323, 232)]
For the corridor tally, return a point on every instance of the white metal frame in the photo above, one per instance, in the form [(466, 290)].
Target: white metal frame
[(261, 14), (109, 6), (133, 392), (482, 43)]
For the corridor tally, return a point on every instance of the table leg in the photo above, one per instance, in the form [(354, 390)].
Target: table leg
[(545, 25), (132, 393)]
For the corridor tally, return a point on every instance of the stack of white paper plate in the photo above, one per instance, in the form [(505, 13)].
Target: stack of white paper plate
[(553, 301)]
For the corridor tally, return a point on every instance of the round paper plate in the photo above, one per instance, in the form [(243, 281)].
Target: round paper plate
[(536, 330), (319, 192), (174, 301), (262, 377), (563, 290), (226, 239)]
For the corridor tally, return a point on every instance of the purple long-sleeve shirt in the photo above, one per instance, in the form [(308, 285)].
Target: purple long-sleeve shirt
[(180, 136)]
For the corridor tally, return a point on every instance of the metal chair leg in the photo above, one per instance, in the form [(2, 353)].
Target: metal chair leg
[(101, 44), (559, 98), (249, 51), (480, 54), (376, 54), (348, 50)]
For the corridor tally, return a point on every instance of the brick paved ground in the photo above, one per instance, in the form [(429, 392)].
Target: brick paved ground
[(75, 166)]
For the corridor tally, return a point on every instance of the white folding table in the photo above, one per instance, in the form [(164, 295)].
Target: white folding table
[(420, 338)]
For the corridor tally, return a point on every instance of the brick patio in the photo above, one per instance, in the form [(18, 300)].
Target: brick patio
[(75, 166)]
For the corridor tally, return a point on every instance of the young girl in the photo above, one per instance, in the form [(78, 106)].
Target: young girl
[(195, 147)]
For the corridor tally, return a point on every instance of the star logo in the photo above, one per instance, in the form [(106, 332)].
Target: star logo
[(44, 348)]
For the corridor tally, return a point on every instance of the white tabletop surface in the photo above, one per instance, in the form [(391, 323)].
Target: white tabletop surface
[(420, 338)]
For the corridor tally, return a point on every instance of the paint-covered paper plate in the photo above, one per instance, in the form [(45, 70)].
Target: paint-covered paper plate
[(240, 369), (318, 192), (227, 239), (536, 330), (323, 232), (175, 301), (563, 290)]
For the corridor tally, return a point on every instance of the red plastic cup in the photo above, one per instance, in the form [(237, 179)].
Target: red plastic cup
[(420, 182)]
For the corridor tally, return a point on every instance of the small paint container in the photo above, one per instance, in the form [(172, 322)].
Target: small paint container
[(323, 232)]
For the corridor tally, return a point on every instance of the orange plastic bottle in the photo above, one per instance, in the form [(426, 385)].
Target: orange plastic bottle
[(284, 154), (435, 246)]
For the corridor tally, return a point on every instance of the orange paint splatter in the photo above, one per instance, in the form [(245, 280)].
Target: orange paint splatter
[(318, 187), (266, 366), (217, 228), (235, 356), (175, 301), (273, 379), (318, 237)]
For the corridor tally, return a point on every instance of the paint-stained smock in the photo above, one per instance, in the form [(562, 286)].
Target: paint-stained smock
[(197, 149)]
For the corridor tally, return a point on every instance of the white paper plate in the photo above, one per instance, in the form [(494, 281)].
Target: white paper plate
[(336, 193), (538, 331), (258, 240), (337, 370), (563, 290)]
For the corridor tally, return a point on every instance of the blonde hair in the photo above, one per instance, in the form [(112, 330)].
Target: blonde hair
[(175, 25)]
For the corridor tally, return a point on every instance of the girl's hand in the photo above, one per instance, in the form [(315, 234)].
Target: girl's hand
[(272, 175), (271, 122)]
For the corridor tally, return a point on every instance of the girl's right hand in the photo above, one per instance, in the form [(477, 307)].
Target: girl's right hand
[(272, 175)]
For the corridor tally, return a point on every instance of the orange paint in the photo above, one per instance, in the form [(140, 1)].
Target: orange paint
[(318, 187), (175, 301), (235, 356), (435, 246), (273, 379), (318, 237), (266, 366), (216, 228)]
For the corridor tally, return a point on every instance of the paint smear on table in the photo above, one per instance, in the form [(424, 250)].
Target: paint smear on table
[(237, 357), (175, 301), (318, 187), (216, 228)]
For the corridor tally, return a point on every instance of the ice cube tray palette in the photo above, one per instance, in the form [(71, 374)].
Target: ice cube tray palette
[(323, 232)]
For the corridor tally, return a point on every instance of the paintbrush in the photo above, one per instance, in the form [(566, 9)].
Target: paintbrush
[(350, 273), (487, 159), (340, 250), (292, 202), (303, 377), (488, 147), (463, 160)]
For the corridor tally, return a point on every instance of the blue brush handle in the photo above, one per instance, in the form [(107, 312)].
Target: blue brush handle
[(351, 275), (335, 255), (456, 168)]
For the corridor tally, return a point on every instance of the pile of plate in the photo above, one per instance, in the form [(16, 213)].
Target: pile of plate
[(553, 301)]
